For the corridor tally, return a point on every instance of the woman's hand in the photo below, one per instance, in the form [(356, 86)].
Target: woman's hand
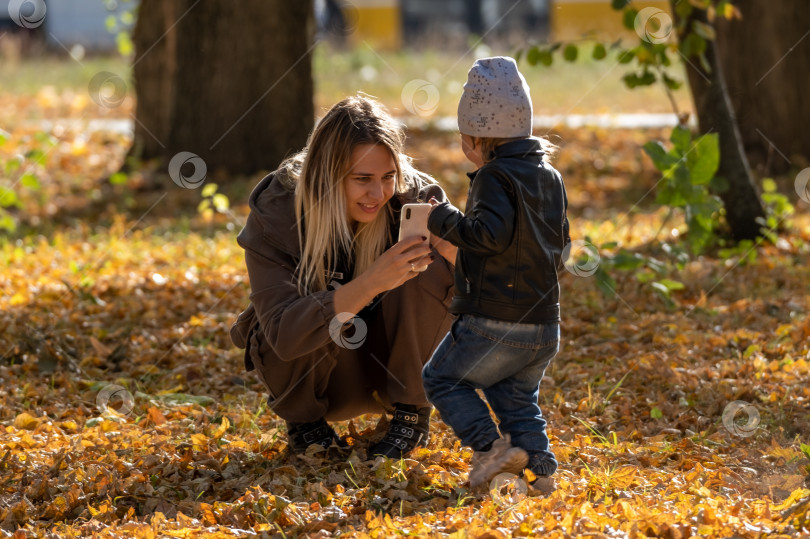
[(397, 264), (391, 269)]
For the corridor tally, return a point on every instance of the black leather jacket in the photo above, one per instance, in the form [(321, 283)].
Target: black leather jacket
[(510, 238)]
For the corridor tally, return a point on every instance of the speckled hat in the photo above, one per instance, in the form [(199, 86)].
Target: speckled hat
[(496, 101)]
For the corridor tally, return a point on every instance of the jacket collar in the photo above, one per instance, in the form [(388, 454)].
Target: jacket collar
[(523, 148), (527, 148)]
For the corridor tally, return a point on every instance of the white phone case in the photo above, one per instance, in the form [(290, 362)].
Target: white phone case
[(413, 222)]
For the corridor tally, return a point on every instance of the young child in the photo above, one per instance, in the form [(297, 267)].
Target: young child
[(510, 241)]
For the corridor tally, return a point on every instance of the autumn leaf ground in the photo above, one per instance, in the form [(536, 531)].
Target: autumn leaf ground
[(138, 290)]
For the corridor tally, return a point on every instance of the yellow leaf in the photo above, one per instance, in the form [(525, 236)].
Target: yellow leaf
[(796, 495), (223, 427), (623, 477), (26, 421), (199, 441)]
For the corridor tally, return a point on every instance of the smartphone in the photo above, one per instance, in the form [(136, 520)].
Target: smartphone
[(413, 222)]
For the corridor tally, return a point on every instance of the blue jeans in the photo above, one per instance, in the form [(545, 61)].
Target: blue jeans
[(507, 361)]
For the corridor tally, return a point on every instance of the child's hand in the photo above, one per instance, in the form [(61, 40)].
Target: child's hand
[(433, 203), (444, 248)]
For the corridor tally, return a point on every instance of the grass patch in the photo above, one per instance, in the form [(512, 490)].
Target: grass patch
[(584, 86)]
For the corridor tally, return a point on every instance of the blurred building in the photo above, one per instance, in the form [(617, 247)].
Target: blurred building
[(69, 23), (391, 24), (575, 19), (385, 24)]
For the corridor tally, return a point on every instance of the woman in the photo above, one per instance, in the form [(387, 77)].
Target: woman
[(319, 247)]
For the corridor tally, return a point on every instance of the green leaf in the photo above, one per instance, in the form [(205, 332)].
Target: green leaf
[(671, 83), (605, 283), (8, 198), (209, 189), (692, 45), (533, 56), (124, 43), (656, 265), (111, 23), (662, 160), (672, 285), (768, 185), (629, 18), (683, 9), (221, 202), (656, 413), (625, 57), (719, 184), (633, 79), (704, 159), (660, 288), (570, 53), (706, 31), (805, 449), (645, 276), (546, 58), (203, 205), (7, 222), (118, 178), (30, 181), (36, 155), (681, 138), (4, 136), (599, 52), (625, 260), (13, 164)]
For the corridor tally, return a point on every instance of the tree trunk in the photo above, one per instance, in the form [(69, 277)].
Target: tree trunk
[(230, 82), (153, 73), (744, 211), (765, 57)]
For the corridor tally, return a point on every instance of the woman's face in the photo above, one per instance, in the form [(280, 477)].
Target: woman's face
[(370, 182)]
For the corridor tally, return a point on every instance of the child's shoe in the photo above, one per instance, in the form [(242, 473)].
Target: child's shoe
[(542, 468), (544, 485), (501, 458)]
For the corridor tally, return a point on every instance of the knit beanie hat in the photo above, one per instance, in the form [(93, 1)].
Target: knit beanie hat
[(496, 101)]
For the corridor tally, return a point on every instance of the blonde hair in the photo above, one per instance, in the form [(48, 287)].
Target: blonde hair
[(488, 145), (319, 172)]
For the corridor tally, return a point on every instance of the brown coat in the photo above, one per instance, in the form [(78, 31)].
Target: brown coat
[(286, 336)]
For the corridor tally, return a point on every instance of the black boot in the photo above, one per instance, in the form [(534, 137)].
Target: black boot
[(301, 435), (408, 429)]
